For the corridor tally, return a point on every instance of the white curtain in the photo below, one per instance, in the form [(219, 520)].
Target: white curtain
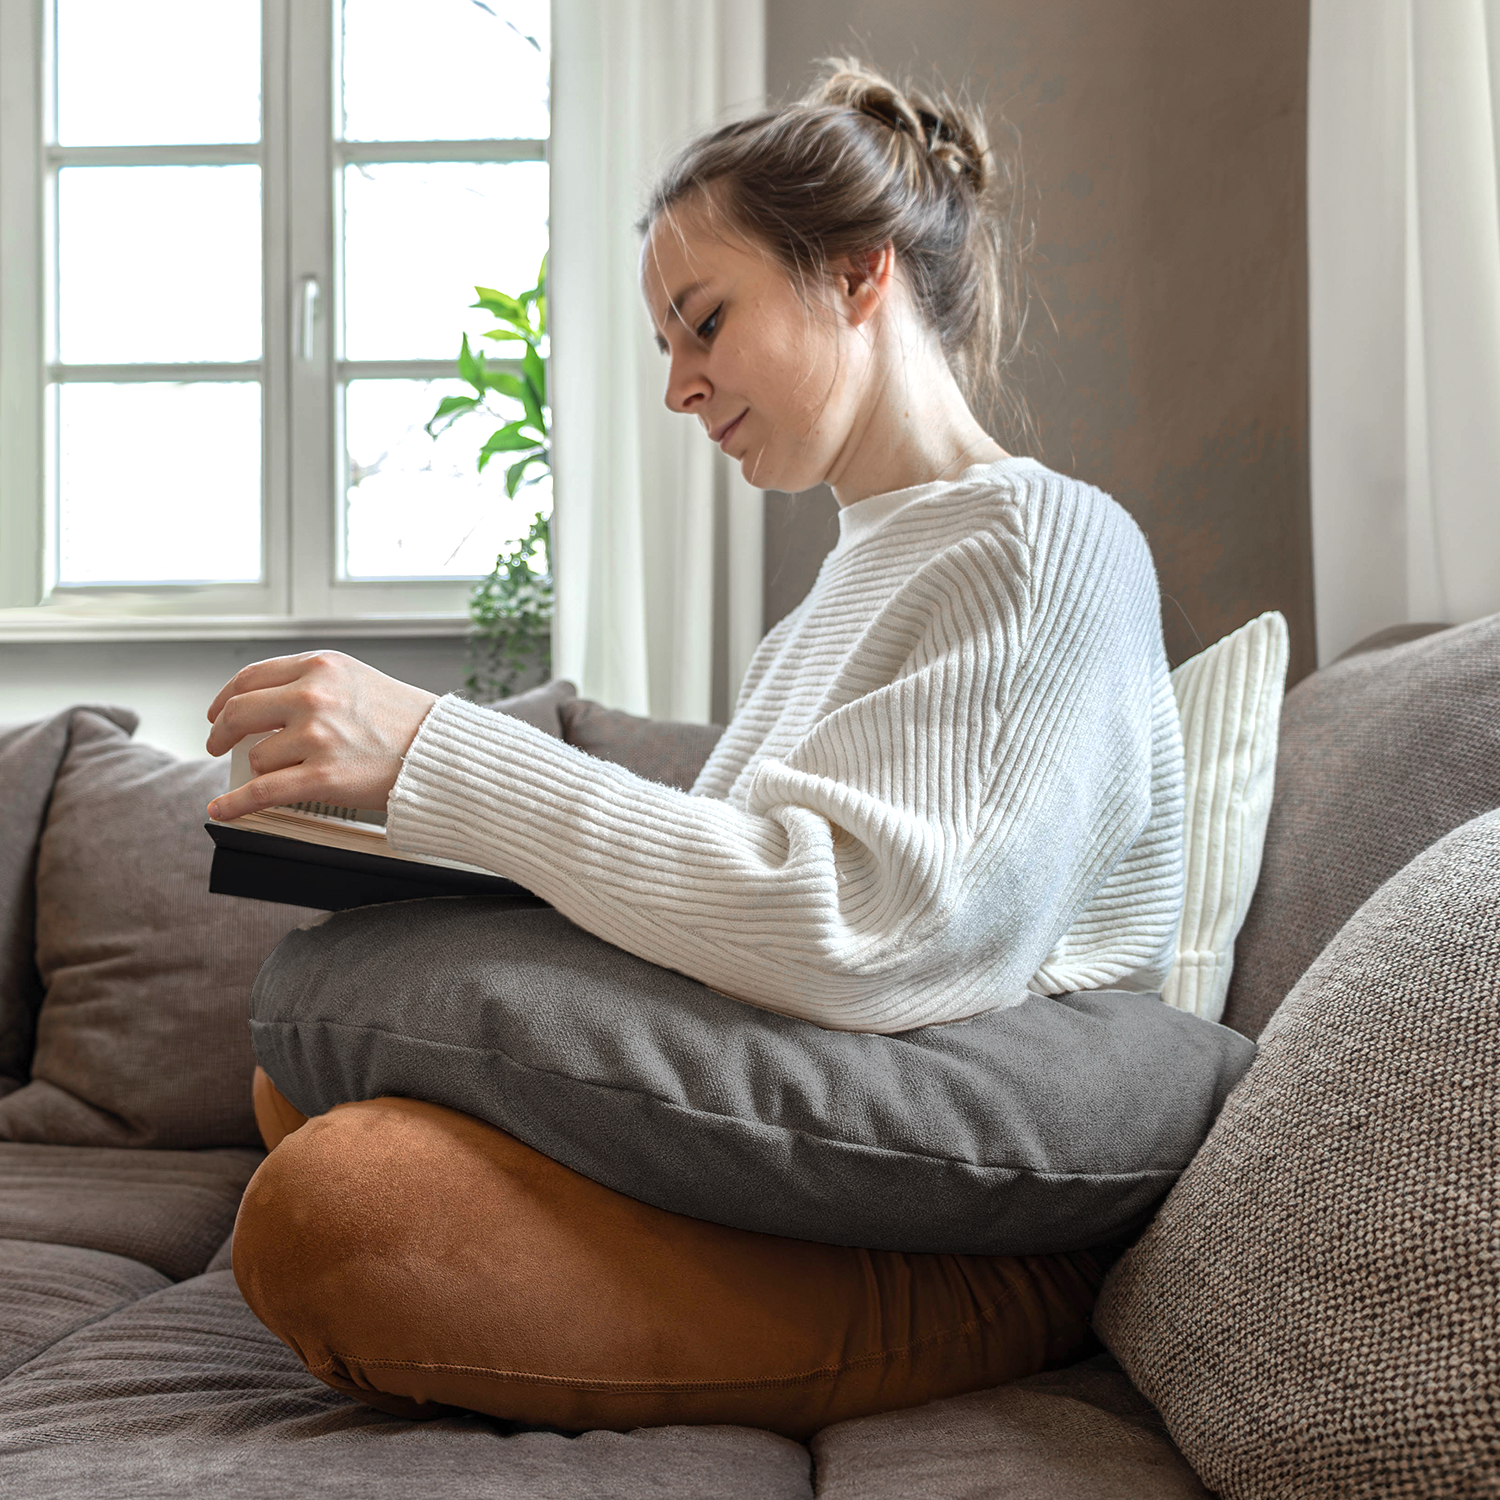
[(1404, 312), (657, 538)]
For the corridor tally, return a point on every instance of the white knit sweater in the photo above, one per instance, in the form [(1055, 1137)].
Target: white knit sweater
[(954, 773)]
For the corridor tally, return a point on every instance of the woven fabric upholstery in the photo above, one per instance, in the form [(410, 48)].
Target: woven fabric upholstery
[(184, 1394), (1077, 1434), (656, 749), (142, 1039), (1381, 754), (168, 1209), (46, 1291), (29, 757), (1314, 1308)]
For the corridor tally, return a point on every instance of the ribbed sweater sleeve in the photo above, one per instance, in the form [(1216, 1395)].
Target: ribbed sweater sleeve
[(936, 768)]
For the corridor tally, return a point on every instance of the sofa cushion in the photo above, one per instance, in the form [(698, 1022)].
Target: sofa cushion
[(1229, 702), (142, 1037), (46, 1291), (539, 706), (1381, 754), (654, 748), (29, 757), (1313, 1309), (1083, 1433), (185, 1394), (1053, 1125), (167, 1209)]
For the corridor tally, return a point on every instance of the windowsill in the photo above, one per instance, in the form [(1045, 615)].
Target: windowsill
[(43, 625)]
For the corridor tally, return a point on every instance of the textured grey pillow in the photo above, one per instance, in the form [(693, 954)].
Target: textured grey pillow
[(141, 1038), (1054, 1125), (538, 706), (1381, 754), (657, 749), (29, 757), (1313, 1310)]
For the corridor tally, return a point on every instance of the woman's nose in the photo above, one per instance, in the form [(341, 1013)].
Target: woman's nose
[(687, 387)]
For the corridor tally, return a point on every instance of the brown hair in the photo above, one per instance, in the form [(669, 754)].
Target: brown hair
[(859, 162)]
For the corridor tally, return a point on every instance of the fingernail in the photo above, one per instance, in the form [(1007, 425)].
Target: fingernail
[(213, 811)]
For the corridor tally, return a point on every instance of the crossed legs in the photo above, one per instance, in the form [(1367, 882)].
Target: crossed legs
[(418, 1258)]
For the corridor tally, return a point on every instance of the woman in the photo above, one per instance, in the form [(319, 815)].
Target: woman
[(953, 778)]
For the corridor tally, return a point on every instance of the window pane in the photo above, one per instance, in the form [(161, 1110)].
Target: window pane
[(418, 236), (446, 70), (158, 263), (157, 72), (159, 483), (418, 507)]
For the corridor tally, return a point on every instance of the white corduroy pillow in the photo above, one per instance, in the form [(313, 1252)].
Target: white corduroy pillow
[(1229, 701)]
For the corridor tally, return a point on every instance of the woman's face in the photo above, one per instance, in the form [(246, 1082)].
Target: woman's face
[(774, 378)]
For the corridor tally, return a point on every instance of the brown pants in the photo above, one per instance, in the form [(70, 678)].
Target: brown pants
[(417, 1258)]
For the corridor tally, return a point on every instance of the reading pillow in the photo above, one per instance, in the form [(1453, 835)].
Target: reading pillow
[(1313, 1309), (659, 750), (141, 1036), (1055, 1125), (1229, 701)]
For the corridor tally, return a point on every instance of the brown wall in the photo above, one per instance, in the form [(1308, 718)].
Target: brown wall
[(1164, 146)]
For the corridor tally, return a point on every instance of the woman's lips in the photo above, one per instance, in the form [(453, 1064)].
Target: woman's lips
[(723, 434)]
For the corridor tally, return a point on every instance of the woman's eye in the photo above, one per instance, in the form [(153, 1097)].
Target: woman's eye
[(709, 325)]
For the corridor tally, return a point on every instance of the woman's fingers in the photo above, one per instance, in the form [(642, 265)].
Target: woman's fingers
[(275, 671), (275, 789), (254, 712)]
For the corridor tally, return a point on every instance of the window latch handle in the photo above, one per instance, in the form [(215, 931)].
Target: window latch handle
[(307, 318)]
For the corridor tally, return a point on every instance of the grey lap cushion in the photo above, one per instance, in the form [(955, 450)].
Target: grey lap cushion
[(1313, 1310), (29, 757), (141, 1037), (1055, 1125), (658, 749), (1380, 755)]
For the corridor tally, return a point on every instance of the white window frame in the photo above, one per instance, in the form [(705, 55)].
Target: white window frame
[(303, 481)]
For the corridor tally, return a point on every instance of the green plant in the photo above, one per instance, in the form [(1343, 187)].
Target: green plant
[(510, 610)]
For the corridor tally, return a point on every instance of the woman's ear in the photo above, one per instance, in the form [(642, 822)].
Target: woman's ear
[(865, 281)]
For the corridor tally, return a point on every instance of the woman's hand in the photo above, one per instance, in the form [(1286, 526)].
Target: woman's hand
[(341, 729)]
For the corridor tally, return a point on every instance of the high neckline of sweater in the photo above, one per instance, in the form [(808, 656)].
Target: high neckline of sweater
[(866, 516)]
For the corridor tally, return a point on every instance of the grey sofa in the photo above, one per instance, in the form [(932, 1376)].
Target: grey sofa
[(129, 1364)]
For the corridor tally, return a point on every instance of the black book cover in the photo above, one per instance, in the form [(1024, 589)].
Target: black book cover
[(267, 867)]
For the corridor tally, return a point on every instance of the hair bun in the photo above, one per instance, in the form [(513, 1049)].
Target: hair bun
[(952, 134)]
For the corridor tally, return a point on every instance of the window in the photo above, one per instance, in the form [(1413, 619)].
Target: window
[(239, 243)]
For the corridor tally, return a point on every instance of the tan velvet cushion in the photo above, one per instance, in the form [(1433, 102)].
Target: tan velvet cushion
[(1313, 1310), (143, 1037), (656, 749), (29, 757), (1381, 754)]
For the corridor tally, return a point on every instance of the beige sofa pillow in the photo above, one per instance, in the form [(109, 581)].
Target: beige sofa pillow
[(143, 1034), (1313, 1310), (1229, 702)]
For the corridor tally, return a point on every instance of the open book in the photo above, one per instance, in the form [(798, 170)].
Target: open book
[(312, 854)]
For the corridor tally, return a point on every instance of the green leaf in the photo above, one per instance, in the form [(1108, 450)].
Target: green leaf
[(536, 375), (506, 384), (451, 407), (509, 439), (500, 335), (471, 367), (515, 474)]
